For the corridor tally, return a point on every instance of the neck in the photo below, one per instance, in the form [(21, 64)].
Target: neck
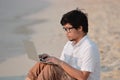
[(78, 39)]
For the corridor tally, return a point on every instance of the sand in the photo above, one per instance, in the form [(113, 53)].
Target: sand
[(38, 21)]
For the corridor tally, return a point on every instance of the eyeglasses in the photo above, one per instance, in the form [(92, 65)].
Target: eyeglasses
[(68, 29)]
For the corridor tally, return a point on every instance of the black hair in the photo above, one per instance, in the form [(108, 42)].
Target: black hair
[(76, 18)]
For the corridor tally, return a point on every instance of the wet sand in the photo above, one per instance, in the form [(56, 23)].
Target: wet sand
[(39, 21)]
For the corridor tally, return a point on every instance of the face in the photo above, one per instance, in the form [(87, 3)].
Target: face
[(72, 33)]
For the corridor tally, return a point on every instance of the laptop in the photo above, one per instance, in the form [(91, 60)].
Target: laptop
[(31, 51)]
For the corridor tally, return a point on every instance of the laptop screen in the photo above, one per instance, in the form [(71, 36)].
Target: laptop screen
[(31, 50)]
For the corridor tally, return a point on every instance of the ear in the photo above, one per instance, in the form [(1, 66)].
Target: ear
[(80, 28)]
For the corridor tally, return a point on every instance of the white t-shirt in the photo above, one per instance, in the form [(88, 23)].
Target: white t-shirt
[(83, 56)]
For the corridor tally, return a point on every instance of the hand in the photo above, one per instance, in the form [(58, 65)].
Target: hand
[(53, 60), (44, 56)]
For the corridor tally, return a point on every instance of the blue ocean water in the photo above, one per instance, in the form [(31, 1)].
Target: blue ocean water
[(14, 28), (13, 78)]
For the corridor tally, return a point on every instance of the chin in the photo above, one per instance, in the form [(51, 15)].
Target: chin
[(71, 39)]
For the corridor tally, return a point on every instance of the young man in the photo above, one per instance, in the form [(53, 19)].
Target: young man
[(80, 57)]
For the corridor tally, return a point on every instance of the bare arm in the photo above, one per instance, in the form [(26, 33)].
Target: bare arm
[(77, 74)]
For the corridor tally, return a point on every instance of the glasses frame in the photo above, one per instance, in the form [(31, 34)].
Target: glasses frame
[(68, 29)]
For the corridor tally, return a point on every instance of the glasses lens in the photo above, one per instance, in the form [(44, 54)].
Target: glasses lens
[(68, 29)]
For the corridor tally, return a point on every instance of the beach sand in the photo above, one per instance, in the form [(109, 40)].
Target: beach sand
[(39, 21)]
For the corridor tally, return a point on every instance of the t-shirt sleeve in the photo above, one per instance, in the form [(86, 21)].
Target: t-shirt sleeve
[(89, 60)]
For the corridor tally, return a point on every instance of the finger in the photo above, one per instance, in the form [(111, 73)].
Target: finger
[(49, 59)]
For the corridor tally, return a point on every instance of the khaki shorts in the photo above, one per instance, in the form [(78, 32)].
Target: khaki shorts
[(42, 71)]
